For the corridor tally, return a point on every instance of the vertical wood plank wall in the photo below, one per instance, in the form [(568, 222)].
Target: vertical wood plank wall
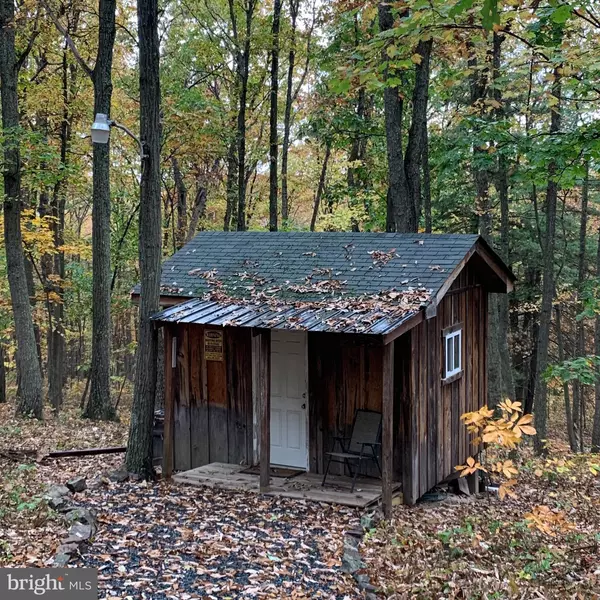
[(434, 438), (344, 374), (212, 400)]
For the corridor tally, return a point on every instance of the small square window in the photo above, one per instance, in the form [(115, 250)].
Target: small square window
[(453, 353)]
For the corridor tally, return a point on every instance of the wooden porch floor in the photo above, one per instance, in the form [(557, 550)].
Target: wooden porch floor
[(306, 486)]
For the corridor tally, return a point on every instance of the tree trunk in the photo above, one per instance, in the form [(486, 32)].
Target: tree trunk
[(541, 395), (2, 375), (273, 142), (561, 358), (321, 186), (231, 187), (578, 389), (426, 182), (139, 448), (99, 405), (508, 385), (400, 215), (30, 393), (197, 212), (243, 68), (181, 204), (56, 335), (417, 137), (287, 119), (596, 428)]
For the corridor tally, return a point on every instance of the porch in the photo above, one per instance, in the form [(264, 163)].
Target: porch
[(303, 486)]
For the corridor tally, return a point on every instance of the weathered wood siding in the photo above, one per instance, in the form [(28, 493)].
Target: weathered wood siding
[(434, 440), (211, 400), (345, 373)]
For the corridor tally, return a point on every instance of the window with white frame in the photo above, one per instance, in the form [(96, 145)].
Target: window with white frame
[(453, 351)]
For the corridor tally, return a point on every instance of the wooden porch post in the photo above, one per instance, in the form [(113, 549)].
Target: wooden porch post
[(167, 466), (264, 406), (387, 433)]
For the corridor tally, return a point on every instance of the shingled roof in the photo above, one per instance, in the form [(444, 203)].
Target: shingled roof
[(352, 282)]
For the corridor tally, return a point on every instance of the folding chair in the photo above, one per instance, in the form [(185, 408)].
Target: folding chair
[(361, 446)]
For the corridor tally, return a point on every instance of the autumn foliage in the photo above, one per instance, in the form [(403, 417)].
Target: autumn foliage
[(503, 432)]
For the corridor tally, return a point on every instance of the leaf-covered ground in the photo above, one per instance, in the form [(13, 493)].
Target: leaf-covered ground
[(486, 548), (165, 541), (157, 540), (29, 531)]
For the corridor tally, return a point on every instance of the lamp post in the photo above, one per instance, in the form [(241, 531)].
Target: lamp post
[(101, 131)]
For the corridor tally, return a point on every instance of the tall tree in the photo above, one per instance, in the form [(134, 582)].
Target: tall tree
[(139, 448), (596, 426), (99, 404), (30, 392), (242, 42), (401, 215), (287, 117), (578, 390), (541, 390), (321, 185), (417, 137), (273, 137)]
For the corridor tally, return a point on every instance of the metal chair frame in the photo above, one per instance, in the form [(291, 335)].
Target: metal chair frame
[(347, 454)]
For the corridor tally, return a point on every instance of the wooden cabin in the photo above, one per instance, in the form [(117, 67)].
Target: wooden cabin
[(274, 340)]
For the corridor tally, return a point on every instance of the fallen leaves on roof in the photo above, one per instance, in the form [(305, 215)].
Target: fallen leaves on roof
[(382, 258), (353, 314)]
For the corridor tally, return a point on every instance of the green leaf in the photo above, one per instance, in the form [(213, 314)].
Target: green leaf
[(460, 7), (340, 86), (562, 14), (489, 13)]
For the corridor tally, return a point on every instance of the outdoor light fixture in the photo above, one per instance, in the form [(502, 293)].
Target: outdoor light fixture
[(101, 131)]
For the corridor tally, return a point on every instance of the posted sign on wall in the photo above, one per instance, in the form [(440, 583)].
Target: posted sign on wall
[(213, 344)]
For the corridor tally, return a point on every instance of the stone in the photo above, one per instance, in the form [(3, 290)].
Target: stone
[(96, 483), (57, 503), (79, 533), (118, 476), (371, 519), (82, 515), (64, 554), (351, 560), (134, 477), (357, 533), (57, 491), (61, 560), (77, 484)]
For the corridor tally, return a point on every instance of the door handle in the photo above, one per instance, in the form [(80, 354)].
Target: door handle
[(304, 407)]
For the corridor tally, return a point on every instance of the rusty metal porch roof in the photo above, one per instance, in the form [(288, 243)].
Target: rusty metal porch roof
[(374, 319)]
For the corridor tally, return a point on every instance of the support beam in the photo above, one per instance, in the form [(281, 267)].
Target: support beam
[(167, 467), (264, 406), (387, 432)]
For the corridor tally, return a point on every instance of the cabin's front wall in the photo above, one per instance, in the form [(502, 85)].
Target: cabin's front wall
[(434, 438), (213, 412)]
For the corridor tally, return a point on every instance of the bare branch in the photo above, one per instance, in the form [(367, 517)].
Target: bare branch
[(68, 39), (21, 59)]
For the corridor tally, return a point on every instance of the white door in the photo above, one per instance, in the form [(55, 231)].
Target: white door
[(289, 399)]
